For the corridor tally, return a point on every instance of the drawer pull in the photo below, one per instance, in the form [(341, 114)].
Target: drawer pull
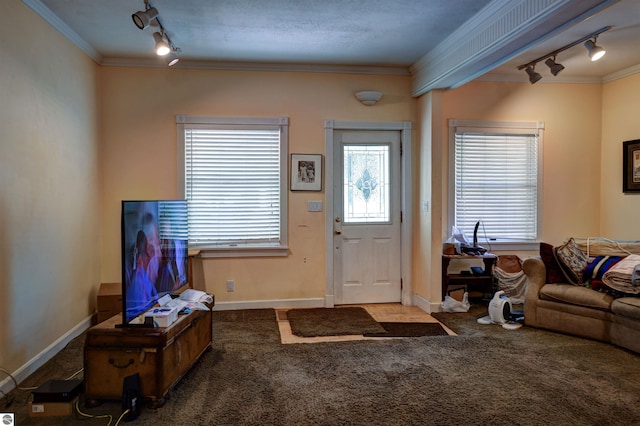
[(113, 362)]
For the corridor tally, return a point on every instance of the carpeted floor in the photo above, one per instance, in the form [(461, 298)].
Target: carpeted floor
[(485, 375)]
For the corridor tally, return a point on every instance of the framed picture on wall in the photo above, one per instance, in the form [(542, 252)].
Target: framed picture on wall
[(306, 172), (631, 166)]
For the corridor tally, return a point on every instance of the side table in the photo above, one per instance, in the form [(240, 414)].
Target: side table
[(485, 280)]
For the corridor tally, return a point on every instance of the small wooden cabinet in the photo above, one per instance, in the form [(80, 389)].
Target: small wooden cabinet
[(160, 355), (483, 281)]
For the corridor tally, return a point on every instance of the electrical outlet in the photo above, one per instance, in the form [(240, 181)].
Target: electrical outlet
[(231, 285)]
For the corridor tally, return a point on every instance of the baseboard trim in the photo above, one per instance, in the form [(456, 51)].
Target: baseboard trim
[(425, 305), (45, 355), (270, 304)]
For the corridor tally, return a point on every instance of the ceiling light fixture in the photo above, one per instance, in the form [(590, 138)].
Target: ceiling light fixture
[(368, 97), (162, 48), (534, 76), (554, 66), (595, 52), (171, 59), (163, 44), (143, 18)]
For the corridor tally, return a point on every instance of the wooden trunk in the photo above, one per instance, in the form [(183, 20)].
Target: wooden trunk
[(160, 355)]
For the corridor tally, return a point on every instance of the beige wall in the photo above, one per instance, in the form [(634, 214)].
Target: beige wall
[(620, 212), (139, 156), (571, 162), (49, 197)]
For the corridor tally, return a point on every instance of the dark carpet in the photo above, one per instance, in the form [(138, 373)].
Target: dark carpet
[(332, 322), (484, 376), (409, 329)]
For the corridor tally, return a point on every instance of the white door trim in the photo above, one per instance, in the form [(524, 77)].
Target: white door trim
[(405, 229)]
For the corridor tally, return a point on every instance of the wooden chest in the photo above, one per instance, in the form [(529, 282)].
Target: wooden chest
[(160, 355), (109, 300)]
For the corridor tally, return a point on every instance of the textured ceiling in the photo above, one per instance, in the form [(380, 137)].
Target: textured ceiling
[(354, 32), (366, 33)]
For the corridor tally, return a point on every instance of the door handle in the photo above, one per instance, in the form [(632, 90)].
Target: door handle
[(338, 231)]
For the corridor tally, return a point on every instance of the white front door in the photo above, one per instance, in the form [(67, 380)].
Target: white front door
[(366, 217)]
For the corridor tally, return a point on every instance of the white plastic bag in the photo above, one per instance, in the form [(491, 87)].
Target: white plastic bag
[(449, 304)]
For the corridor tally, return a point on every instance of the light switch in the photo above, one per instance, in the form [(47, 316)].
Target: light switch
[(314, 206)]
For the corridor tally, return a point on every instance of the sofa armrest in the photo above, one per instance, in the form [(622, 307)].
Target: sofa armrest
[(536, 274)]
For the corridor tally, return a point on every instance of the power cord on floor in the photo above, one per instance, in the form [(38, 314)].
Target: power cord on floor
[(15, 381), (101, 416)]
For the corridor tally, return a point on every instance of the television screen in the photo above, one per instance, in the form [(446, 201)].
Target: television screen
[(154, 253)]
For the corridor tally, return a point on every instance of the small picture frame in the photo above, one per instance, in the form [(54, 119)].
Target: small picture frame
[(631, 166), (306, 172)]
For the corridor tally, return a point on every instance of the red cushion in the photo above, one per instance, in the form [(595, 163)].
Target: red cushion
[(554, 273)]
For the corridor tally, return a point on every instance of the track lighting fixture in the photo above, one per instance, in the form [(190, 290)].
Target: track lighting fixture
[(171, 59), (533, 75), (142, 19), (162, 48), (554, 66), (595, 52), (163, 44)]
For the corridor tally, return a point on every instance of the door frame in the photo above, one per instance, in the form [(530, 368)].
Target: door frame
[(404, 127)]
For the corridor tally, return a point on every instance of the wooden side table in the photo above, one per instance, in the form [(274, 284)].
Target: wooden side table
[(485, 280)]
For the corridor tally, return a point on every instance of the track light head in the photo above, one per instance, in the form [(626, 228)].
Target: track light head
[(171, 59), (143, 18), (534, 77), (595, 52), (162, 48), (554, 66)]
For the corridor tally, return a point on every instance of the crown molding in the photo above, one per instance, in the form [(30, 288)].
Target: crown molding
[(45, 13), (627, 72), (257, 66)]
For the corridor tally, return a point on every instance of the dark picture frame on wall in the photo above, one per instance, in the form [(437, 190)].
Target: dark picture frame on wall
[(306, 172), (631, 166)]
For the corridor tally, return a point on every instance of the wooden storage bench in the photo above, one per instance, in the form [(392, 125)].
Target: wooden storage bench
[(160, 355)]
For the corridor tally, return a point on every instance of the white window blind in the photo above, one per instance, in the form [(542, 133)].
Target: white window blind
[(233, 181), (496, 175)]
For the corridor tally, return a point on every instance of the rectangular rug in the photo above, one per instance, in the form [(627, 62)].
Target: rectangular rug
[(332, 322), (410, 329)]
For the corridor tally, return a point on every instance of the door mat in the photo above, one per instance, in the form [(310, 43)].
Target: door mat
[(332, 322), (410, 329)]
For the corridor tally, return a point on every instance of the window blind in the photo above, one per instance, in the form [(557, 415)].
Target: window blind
[(232, 183), (496, 182)]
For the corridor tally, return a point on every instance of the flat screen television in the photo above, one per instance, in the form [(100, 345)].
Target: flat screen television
[(154, 254)]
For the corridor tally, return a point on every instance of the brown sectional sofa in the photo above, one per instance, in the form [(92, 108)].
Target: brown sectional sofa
[(579, 310)]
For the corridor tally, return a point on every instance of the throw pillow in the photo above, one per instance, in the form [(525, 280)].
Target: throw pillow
[(572, 260), (554, 273)]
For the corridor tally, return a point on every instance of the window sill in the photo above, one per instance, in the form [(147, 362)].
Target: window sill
[(511, 246), (280, 251)]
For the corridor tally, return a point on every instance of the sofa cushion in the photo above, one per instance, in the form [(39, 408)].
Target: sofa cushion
[(554, 273), (575, 295), (572, 260), (627, 307)]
